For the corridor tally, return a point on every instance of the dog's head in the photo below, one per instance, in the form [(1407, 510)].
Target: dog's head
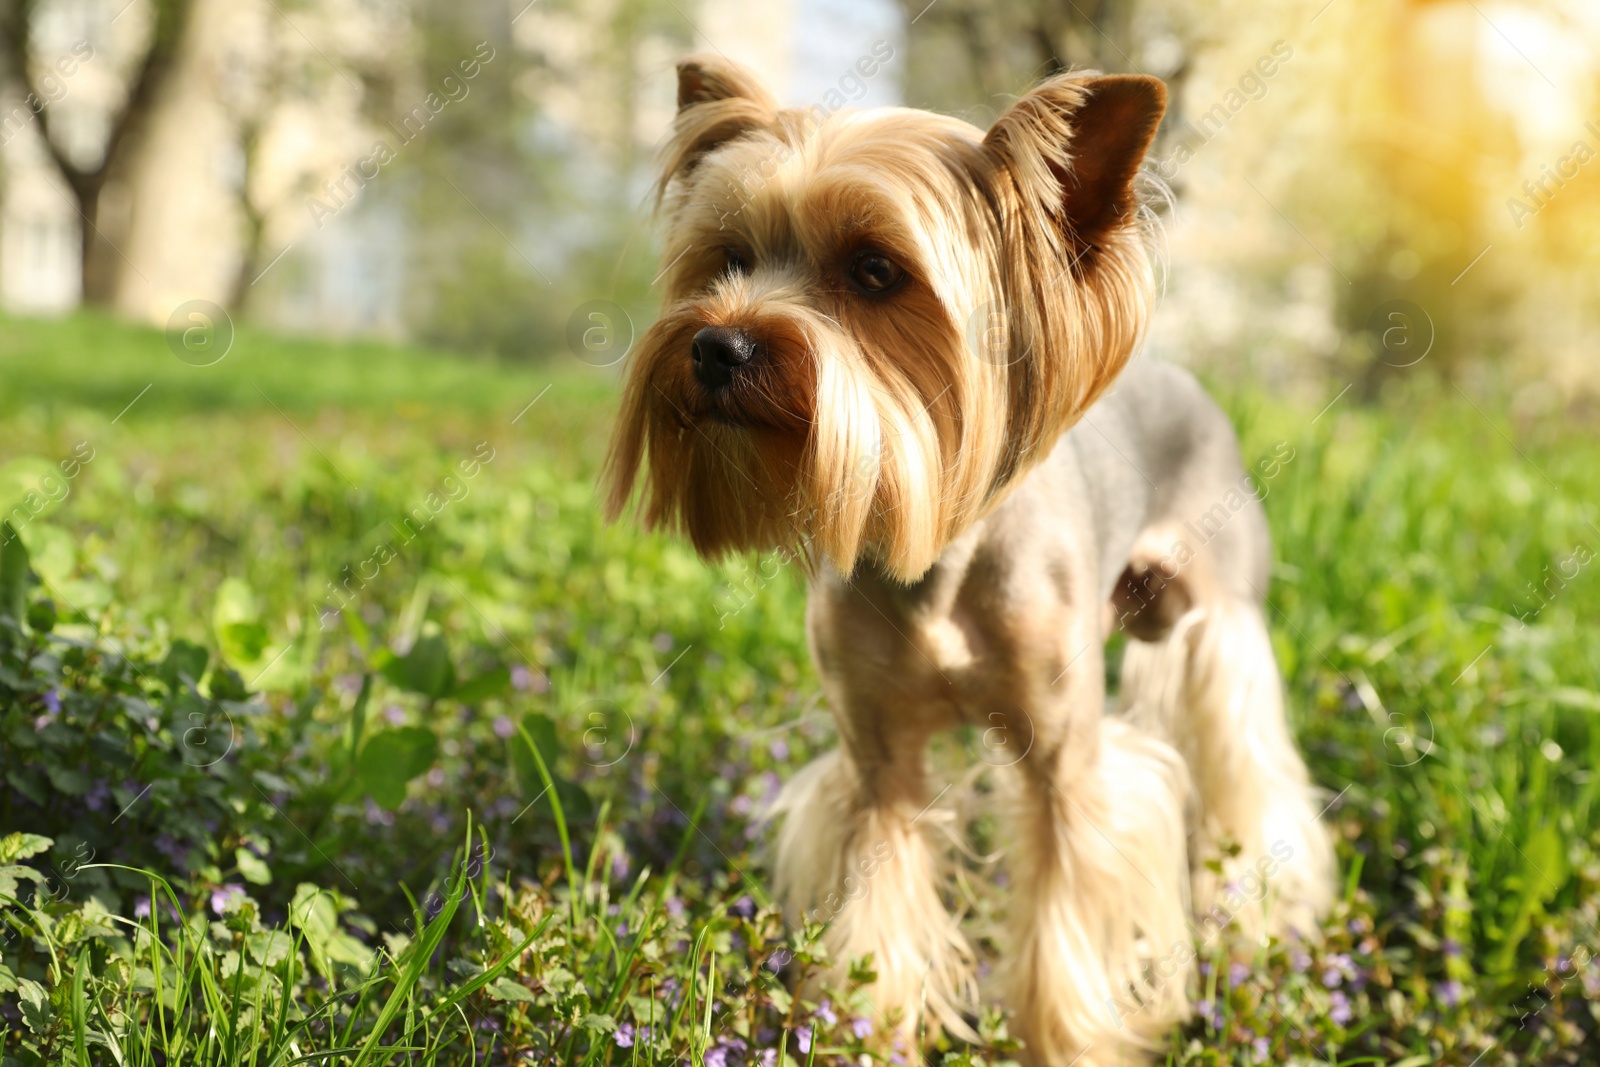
[(874, 321)]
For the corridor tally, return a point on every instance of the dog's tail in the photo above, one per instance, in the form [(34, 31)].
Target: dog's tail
[(1211, 686)]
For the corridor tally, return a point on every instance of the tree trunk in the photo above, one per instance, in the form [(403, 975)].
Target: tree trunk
[(102, 262), (255, 223)]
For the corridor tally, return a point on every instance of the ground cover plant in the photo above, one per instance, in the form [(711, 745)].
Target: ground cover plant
[(336, 728)]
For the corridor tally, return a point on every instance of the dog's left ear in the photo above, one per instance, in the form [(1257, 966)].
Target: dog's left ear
[(718, 101), (1074, 144)]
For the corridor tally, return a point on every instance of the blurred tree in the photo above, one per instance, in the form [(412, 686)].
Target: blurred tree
[(268, 76), (526, 204), (963, 51), (88, 177), (1417, 138)]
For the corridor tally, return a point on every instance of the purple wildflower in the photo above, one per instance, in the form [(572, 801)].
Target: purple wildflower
[(97, 796), (521, 678), (395, 714), (504, 727), (744, 907), (779, 750), (771, 786), (376, 816), (726, 1047), (826, 1014), (225, 897), (52, 700), (626, 1035), (141, 908), (172, 848), (803, 1036), (861, 1027), (1340, 1011), (1449, 993), (1238, 974)]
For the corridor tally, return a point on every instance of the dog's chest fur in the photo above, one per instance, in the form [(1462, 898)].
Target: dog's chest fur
[(986, 633), (999, 624)]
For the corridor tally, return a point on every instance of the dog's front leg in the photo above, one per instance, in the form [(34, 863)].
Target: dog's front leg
[(1100, 950), (852, 854)]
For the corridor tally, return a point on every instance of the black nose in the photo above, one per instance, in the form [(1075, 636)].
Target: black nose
[(718, 351)]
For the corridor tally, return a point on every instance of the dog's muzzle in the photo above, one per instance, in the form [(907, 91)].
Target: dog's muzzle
[(719, 351)]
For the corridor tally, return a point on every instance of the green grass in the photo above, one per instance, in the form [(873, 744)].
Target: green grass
[(93, 361), (504, 807)]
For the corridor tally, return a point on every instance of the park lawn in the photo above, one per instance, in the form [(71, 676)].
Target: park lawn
[(331, 751)]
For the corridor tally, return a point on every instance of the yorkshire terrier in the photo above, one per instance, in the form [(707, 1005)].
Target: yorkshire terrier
[(888, 343)]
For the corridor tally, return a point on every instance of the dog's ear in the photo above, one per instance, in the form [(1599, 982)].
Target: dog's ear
[(1074, 144), (718, 100)]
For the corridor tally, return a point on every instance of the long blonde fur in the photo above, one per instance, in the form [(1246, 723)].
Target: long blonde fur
[(867, 870), (1098, 968), (1212, 687)]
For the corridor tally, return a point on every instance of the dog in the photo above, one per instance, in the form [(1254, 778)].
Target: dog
[(902, 347)]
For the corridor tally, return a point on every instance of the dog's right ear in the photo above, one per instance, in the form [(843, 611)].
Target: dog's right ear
[(718, 100)]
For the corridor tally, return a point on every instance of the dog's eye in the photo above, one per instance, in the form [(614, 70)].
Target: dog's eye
[(734, 261), (875, 273)]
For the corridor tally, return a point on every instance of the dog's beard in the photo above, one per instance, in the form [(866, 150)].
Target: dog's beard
[(825, 445)]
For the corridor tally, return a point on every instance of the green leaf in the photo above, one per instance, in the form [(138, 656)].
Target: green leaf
[(269, 947), (184, 659), (506, 989), (313, 912), (391, 759), (71, 782), (600, 1024), (243, 642), (35, 1005), (8, 881), (21, 846), (486, 685), (51, 552), (226, 684), (236, 620), (42, 616), (425, 669), (30, 485), (251, 867)]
